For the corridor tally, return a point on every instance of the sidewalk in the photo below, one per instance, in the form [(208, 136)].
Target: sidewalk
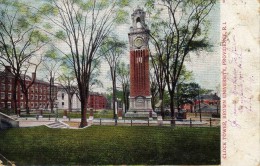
[(30, 122)]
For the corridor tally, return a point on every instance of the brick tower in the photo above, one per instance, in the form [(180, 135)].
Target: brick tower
[(140, 98)]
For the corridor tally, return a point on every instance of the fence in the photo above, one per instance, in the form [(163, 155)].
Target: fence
[(206, 122)]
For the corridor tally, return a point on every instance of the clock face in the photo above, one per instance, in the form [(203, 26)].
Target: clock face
[(138, 42)]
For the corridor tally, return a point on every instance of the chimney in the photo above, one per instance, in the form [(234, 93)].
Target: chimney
[(8, 68), (33, 76)]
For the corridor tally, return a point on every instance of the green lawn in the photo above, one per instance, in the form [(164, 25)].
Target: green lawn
[(111, 145)]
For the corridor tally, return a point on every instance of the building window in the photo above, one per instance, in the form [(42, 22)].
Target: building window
[(32, 97), (9, 87), (2, 95), (36, 97), (3, 87), (40, 97), (2, 105), (9, 105), (31, 105), (9, 96), (35, 105), (62, 96), (21, 104), (21, 97)]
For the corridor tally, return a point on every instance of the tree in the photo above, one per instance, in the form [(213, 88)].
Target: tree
[(25, 85), (123, 76), (159, 76), (20, 41), (154, 89), (83, 27), (182, 30), (51, 64), (186, 93), (68, 83), (111, 50), (94, 80)]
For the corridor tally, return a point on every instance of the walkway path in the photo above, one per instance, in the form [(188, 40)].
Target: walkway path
[(30, 122)]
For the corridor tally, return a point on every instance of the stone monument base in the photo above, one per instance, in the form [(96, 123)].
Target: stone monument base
[(140, 113), (140, 106)]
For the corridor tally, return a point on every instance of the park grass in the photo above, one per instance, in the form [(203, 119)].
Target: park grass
[(102, 145)]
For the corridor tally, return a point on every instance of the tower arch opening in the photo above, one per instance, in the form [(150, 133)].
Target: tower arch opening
[(138, 22)]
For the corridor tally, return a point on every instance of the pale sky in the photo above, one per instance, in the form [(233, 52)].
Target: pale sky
[(205, 67)]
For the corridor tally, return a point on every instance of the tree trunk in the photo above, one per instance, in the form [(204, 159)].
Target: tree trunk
[(161, 93), (114, 98), (70, 102), (125, 94), (26, 104), (83, 122), (113, 75), (172, 95), (14, 92), (84, 102)]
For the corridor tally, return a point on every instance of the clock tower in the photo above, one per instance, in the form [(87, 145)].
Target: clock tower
[(140, 97)]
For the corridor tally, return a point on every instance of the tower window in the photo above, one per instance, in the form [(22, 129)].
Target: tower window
[(138, 22)]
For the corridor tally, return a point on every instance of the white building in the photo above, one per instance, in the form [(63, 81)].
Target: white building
[(63, 100)]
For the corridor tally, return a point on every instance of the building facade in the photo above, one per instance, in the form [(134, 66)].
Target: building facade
[(63, 100), (206, 103), (95, 100), (38, 94)]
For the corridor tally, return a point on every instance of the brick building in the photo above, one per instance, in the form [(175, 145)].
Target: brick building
[(207, 103), (38, 93), (95, 100)]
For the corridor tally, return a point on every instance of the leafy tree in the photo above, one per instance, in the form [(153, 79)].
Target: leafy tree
[(154, 89), (51, 64), (94, 80), (83, 27), (20, 41), (112, 50), (186, 93), (67, 81), (182, 29), (159, 78), (123, 76)]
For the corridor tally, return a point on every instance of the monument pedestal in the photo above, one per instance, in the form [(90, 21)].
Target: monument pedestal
[(140, 106)]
